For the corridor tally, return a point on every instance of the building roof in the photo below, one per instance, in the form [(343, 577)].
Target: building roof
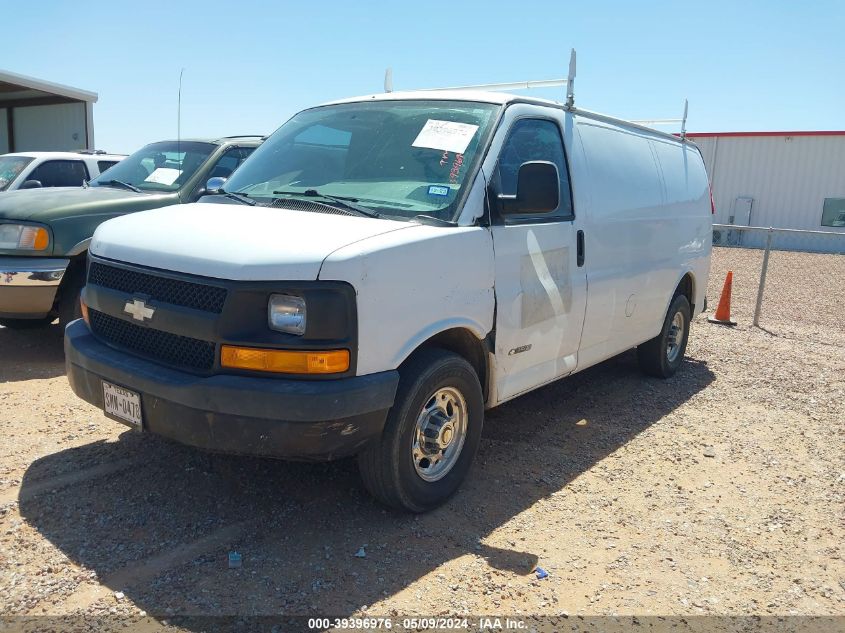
[(15, 87), (796, 133)]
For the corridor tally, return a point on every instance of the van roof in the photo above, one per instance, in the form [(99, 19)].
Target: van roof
[(498, 98)]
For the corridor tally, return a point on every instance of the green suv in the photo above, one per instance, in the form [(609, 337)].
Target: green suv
[(44, 233)]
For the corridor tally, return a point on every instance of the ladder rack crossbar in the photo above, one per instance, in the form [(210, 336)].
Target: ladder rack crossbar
[(656, 121), (516, 85), (569, 82)]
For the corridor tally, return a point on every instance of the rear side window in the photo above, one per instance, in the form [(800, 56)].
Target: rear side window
[(534, 139), (103, 165), (60, 173), (229, 162)]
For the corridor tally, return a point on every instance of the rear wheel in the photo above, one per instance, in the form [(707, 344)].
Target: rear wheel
[(431, 435), (662, 355)]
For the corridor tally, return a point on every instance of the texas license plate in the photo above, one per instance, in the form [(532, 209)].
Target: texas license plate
[(122, 404)]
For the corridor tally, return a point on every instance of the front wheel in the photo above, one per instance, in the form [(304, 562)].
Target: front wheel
[(662, 355), (69, 295), (431, 435)]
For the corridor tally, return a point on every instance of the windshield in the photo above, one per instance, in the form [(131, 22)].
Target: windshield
[(10, 168), (164, 166), (396, 158)]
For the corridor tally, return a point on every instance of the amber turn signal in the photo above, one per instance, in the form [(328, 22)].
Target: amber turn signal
[(84, 309), (285, 361)]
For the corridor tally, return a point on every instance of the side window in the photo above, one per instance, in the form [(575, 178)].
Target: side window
[(229, 162), (60, 173), (534, 139), (833, 212), (103, 165)]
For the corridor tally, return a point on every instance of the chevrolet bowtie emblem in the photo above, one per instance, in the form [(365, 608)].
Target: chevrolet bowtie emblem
[(139, 310)]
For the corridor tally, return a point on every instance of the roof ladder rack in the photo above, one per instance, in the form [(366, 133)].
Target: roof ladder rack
[(569, 82), (682, 121), (504, 87)]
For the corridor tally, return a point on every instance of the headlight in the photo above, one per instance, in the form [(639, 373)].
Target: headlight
[(286, 313), (23, 237)]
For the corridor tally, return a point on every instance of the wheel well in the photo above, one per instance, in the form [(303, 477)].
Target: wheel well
[(466, 345), (75, 268), (686, 287)]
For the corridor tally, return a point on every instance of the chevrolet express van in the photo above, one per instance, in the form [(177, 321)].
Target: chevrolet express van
[(383, 269)]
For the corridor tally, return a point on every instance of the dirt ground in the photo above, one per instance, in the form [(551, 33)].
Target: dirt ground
[(719, 491)]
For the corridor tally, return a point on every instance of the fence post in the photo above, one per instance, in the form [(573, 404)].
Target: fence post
[(762, 285)]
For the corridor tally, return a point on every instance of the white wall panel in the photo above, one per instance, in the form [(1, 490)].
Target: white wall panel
[(50, 127), (787, 176), (4, 132)]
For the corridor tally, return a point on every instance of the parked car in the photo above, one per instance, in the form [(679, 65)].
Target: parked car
[(33, 170), (394, 265), (45, 233)]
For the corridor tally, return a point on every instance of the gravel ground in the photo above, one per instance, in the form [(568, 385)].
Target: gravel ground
[(719, 491)]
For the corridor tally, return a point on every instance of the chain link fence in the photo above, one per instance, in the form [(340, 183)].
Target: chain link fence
[(786, 239), (778, 285)]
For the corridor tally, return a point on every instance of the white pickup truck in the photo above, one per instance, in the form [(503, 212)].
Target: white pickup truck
[(383, 269), (34, 170)]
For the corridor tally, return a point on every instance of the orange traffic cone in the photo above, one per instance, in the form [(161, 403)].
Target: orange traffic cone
[(723, 311)]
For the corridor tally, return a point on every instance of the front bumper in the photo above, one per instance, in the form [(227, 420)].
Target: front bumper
[(28, 286), (294, 419)]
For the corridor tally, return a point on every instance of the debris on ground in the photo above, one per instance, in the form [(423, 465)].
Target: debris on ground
[(235, 560)]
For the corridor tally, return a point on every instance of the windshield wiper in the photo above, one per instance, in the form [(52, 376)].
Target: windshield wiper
[(344, 202), (120, 183), (240, 197)]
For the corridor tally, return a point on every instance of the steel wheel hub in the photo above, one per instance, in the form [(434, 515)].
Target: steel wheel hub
[(439, 434), (675, 338)]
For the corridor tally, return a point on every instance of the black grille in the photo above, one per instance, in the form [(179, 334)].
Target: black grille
[(172, 349), (174, 291)]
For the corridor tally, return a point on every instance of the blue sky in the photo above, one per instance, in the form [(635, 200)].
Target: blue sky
[(250, 65)]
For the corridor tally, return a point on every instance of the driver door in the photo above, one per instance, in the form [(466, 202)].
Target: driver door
[(540, 278)]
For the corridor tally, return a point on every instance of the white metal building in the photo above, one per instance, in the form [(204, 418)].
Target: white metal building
[(38, 115), (793, 180)]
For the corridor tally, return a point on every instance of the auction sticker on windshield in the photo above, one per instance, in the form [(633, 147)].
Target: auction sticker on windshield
[(164, 175), (122, 403), (447, 136)]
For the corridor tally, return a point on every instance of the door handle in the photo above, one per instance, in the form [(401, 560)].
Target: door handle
[(580, 248)]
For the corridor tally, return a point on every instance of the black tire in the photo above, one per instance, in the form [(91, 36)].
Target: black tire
[(69, 293), (27, 324), (387, 467), (653, 355)]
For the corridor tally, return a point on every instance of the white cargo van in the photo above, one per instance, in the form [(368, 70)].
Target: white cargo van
[(383, 269)]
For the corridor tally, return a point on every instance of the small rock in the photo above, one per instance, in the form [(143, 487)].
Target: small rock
[(361, 553), (118, 595), (710, 452)]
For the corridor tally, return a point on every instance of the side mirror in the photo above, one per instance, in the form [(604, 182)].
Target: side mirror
[(214, 184), (31, 184), (537, 189)]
